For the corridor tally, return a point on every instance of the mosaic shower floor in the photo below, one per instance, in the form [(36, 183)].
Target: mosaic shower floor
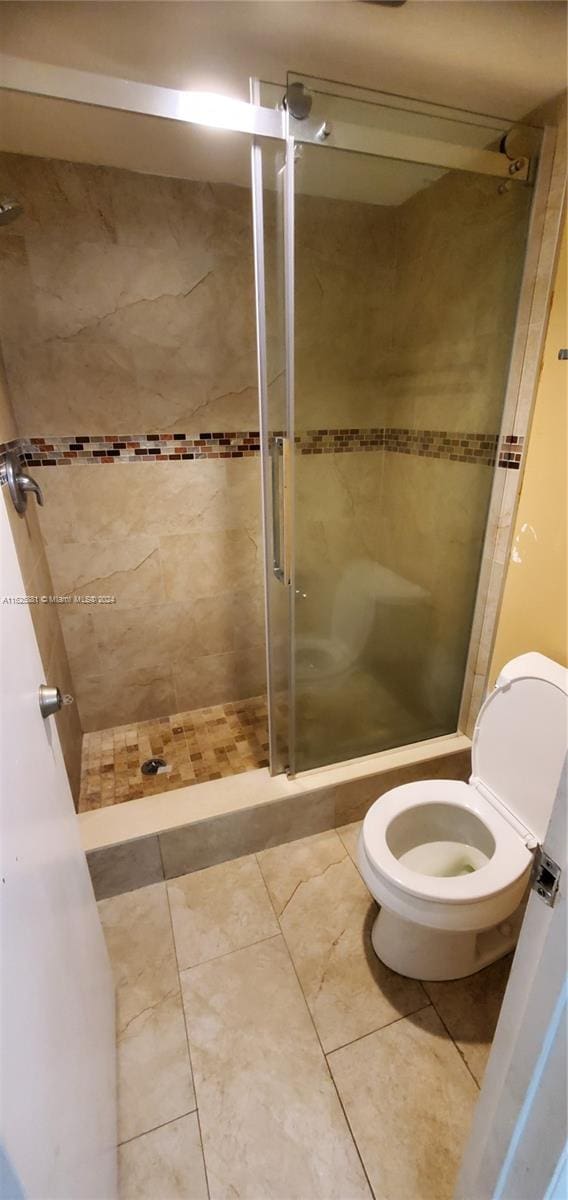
[(198, 746)]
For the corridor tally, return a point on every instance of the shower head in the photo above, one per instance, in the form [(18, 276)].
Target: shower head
[(10, 210)]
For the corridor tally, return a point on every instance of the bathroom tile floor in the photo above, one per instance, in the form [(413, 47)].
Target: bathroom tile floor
[(198, 746), (265, 1053)]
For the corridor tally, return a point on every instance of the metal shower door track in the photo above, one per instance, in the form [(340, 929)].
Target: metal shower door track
[(240, 116)]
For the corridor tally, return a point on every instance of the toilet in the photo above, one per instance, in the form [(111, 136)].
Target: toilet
[(449, 862)]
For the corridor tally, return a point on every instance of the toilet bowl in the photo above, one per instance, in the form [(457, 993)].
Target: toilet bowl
[(449, 862)]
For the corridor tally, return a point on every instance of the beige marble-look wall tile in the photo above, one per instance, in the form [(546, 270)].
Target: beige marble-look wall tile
[(165, 1163), (220, 678), (218, 910), (142, 303), (156, 498), (194, 566), (129, 570), (27, 537), (271, 1122), (470, 1010), (326, 915), (104, 540), (117, 698), (8, 427), (409, 1100), (154, 1073)]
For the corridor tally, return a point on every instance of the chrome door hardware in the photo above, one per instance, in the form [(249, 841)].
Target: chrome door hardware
[(280, 457), (19, 483), (51, 700), (546, 877)]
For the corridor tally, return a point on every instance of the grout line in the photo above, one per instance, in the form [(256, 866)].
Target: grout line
[(308, 1010), (190, 1113), (379, 1028), (226, 953), (182, 1002), (452, 1039)]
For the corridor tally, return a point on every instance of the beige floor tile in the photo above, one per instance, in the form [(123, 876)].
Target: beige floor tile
[(470, 1010), (349, 835), (220, 909), (272, 1125), (166, 1164), (409, 1100), (154, 1072), (326, 914)]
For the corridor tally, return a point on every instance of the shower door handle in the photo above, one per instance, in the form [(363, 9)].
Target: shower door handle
[(280, 461)]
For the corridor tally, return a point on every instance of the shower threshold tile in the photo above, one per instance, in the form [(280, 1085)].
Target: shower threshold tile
[(198, 746)]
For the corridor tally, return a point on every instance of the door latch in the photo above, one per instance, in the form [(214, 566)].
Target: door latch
[(546, 877)]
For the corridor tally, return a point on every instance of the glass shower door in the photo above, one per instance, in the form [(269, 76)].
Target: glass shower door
[(407, 277), (394, 243)]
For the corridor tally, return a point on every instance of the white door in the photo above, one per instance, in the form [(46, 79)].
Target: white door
[(517, 1146), (57, 1057)]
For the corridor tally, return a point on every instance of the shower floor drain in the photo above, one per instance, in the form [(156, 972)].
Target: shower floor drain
[(155, 766)]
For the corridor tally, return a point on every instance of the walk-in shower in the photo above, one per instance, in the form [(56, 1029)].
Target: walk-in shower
[(330, 538)]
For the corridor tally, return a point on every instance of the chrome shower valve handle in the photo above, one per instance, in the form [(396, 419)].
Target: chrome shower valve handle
[(19, 482)]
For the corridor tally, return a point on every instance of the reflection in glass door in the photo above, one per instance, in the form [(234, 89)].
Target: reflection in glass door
[(406, 277)]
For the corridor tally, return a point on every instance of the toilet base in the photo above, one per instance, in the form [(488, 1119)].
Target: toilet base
[(433, 954)]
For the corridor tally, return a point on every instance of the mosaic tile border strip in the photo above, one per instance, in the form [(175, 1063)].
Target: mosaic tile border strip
[(511, 451), (128, 447), (435, 443), (466, 447)]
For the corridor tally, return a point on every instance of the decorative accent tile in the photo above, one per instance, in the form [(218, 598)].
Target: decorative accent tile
[(433, 443), (339, 441), (95, 449), (139, 447), (511, 451)]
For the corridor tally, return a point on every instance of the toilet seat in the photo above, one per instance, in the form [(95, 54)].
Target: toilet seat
[(477, 840), (510, 861)]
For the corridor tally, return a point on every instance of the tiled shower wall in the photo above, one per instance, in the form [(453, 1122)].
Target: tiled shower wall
[(37, 582), (128, 312), (128, 309)]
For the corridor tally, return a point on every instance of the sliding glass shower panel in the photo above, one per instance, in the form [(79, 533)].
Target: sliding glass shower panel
[(406, 286)]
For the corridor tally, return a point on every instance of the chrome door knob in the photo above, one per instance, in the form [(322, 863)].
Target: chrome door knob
[(51, 700)]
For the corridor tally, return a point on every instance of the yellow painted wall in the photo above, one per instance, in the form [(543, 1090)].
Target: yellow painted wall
[(534, 614)]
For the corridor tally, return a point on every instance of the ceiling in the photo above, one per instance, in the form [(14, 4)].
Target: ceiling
[(482, 55)]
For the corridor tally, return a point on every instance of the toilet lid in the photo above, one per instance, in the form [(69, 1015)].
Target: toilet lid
[(521, 739)]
